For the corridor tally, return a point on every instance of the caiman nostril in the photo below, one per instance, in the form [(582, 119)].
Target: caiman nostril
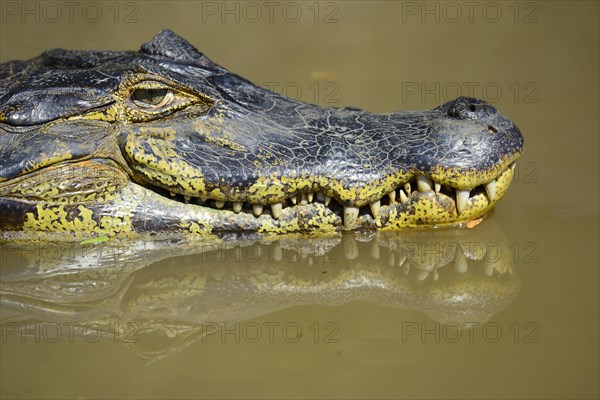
[(469, 108)]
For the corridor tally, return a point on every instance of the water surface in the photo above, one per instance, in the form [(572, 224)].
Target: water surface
[(349, 315)]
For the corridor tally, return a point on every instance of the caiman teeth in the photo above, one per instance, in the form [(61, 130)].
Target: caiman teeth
[(320, 197), (350, 216), (276, 209), (490, 188), (399, 197), (461, 264), (462, 197), (375, 208), (237, 207), (403, 197), (303, 199), (392, 196), (424, 184)]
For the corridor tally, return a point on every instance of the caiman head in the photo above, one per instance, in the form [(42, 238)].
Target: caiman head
[(165, 140)]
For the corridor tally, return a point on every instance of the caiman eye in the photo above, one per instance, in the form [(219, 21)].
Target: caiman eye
[(152, 98)]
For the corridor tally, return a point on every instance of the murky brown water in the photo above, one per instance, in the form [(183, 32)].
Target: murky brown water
[(508, 309)]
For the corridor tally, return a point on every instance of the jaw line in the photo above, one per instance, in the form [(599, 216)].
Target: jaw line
[(142, 202), (423, 209)]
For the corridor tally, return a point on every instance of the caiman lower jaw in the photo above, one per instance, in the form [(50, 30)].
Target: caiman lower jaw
[(419, 202)]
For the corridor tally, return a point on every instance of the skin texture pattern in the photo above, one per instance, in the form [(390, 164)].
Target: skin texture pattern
[(165, 141)]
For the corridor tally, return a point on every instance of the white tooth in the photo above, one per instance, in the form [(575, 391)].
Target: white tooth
[(402, 260), (187, 198), (406, 268), (422, 275), (375, 252), (462, 197), (310, 196), (375, 208), (303, 199), (437, 187), (320, 197), (490, 188), (350, 216), (403, 197), (489, 267), (350, 249), (461, 265), (407, 188), (173, 194), (424, 184), (257, 208), (327, 200), (276, 210), (237, 207), (392, 195), (277, 252), (219, 204), (294, 199)]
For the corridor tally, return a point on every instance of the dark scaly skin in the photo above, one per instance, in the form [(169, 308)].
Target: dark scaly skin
[(84, 152)]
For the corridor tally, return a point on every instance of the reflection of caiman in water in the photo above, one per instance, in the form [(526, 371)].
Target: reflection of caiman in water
[(173, 290)]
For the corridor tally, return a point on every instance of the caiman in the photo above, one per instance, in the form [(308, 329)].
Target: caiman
[(164, 140)]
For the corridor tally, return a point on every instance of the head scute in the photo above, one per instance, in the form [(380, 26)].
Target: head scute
[(168, 44)]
